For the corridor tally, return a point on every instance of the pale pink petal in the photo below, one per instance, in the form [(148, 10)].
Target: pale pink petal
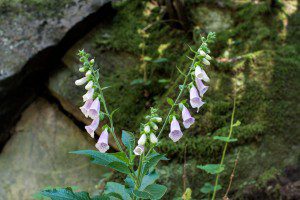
[(92, 127)]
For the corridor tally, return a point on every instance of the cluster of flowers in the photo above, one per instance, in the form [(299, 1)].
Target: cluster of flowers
[(148, 132), (196, 95), (91, 107)]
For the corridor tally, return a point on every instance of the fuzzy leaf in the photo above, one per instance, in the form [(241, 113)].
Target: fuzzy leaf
[(160, 60), (170, 101), (98, 157), (117, 190), (156, 191), (212, 168), (148, 180), (120, 167), (65, 194), (152, 162), (225, 139), (128, 140), (121, 156), (209, 188)]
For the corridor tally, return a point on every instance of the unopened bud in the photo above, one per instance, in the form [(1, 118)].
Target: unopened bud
[(82, 69), (153, 138), (88, 73), (206, 62), (92, 62), (208, 57), (142, 139), (201, 52), (147, 129)]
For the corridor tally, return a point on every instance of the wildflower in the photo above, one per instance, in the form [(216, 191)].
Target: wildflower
[(195, 100), (200, 73), (201, 87), (92, 127), (201, 52), (89, 85), (153, 138), (94, 109), (88, 95), (206, 62), (142, 139), (139, 150), (82, 69), (85, 108), (81, 81), (188, 120), (175, 132), (102, 144), (147, 129)]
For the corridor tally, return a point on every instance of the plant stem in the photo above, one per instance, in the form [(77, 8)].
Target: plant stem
[(139, 171), (178, 97), (224, 151)]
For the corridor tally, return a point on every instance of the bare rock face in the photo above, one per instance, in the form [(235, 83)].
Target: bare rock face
[(33, 36), (37, 156)]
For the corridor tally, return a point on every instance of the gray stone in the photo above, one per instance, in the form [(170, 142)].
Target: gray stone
[(37, 155)]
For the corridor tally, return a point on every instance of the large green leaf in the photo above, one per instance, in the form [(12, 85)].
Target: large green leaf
[(154, 191), (120, 167), (212, 168), (225, 139), (65, 194), (97, 157), (209, 188), (148, 180), (117, 189), (152, 162), (121, 156), (128, 140)]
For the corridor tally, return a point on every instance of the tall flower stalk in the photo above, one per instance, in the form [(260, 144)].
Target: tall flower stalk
[(141, 177)]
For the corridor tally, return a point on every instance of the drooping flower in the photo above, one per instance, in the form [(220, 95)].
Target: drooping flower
[(85, 108), (94, 109), (188, 120), (139, 150), (201, 87), (142, 139), (147, 129), (175, 132), (92, 127), (195, 100), (88, 95), (81, 81), (205, 61), (153, 138), (200, 73), (102, 144), (89, 85)]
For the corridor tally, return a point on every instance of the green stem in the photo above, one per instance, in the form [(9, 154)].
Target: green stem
[(178, 97), (139, 171), (224, 151)]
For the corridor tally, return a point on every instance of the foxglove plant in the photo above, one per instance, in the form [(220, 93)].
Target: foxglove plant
[(141, 176)]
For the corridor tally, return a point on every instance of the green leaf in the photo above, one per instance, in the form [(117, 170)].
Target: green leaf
[(180, 72), (212, 168), (137, 81), (170, 101), (128, 140), (120, 167), (160, 60), (141, 194), (237, 123), (147, 58), (116, 189), (129, 182), (209, 188), (65, 194), (148, 180), (225, 139), (152, 162), (164, 80), (156, 191), (97, 157), (121, 156)]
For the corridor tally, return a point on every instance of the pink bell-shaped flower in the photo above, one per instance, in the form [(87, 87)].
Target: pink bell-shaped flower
[(188, 120), (88, 95), (175, 132), (94, 109), (195, 100), (85, 108), (102, 144), (92, 127), (201, 87), (139, 149)]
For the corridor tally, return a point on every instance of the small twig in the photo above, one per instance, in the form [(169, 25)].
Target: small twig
[(231, 176)]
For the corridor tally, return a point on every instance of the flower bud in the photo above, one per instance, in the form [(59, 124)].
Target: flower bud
[(201, 52), (147, 129), (157, 119), (81, 81), (154, 126), (142, 139), (88, 73), (208, 57), (92, 62), (206, 62), (89, 85), (82, 69), (153, 138), (139, 150)]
